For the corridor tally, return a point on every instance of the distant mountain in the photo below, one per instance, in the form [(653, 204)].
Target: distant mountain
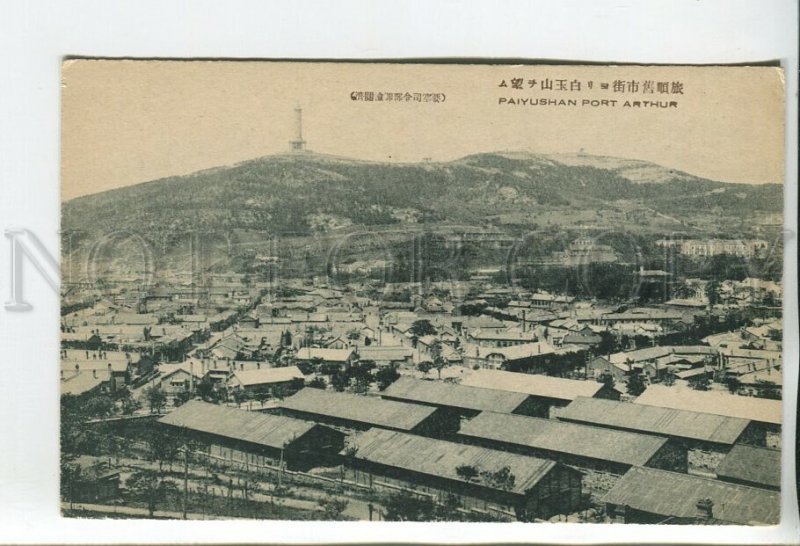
[(307, 193)]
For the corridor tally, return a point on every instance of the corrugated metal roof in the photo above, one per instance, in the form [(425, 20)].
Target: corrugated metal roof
[(644, 314), (569, 438), (752, 464), (256, 428), (504, 334), (332, 355), (369, 410), (482, 321), (656, 420), (513, 352), (673, 494), (103, 365), (384, 353), (532, 384), (582, 338), (441, 458), (755, 354), (82, 382), (167, 370), (716, 402), (268, 375), (456, 396), (651, 353)]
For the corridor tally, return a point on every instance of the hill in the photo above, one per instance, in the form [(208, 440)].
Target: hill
[(308, 193)]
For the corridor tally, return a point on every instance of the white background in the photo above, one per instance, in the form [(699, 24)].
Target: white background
[(36, 35)]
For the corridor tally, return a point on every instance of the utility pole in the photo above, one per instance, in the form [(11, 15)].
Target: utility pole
[(586, 366), (185, 480), (280, 471)]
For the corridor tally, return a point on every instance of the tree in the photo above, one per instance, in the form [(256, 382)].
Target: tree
[(115, 445), (362, 369), (608, 343), (340, 381), (181, 398), (70, 475), (77, 436), (473, 309), (99, 406), (712, 292), (162, 446), (305, 367), (283, 358), (205, 389), (406, 506), (467, 472), (502, 479), (332, 507), (607, 379), (317, 383), (280, 392), (130, 405), (121, 393), (156, 399), (702, 384), (425, 366), (148, 487), (767, 389), (439, 362), (733, 383), (316, 363), (386, 376), (329, 368), (636, 385), (296, 384), (241, 396), (422, 327)]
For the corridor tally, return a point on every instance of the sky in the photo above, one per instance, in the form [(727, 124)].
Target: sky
[(125, 122)]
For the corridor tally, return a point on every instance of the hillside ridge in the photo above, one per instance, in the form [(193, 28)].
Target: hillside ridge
[(311, 192)]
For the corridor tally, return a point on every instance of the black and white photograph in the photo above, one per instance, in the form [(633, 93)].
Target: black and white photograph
[(421, 292)]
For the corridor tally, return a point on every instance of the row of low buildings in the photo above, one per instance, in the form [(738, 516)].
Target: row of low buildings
[(727, 356), (745, 248), (752, 356), (483, 447)]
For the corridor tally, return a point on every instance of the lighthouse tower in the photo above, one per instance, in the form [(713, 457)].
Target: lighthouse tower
[(298, 144)]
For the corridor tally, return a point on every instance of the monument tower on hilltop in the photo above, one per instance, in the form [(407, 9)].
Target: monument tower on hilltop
[(298, 144)]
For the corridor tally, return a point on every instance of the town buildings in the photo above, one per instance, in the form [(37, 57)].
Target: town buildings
[(249, 439), (357, 412), (447, 400), (649, 496), (479, 479)]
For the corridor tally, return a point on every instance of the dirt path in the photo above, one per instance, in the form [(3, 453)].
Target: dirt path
[(134, 511)]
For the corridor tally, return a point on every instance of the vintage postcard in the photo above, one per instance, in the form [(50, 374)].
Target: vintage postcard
[(422, 292)]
